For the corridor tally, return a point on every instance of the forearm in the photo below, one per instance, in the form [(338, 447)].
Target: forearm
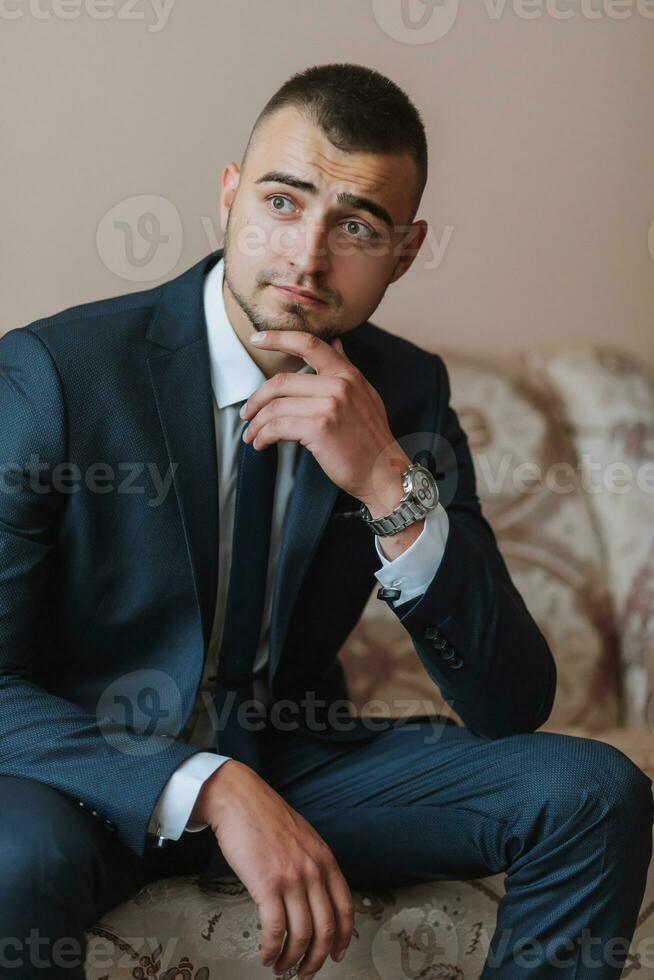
[(479, 643), (90, 755), (471, 627)]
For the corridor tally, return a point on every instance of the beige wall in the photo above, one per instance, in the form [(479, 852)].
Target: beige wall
[(541, 134)]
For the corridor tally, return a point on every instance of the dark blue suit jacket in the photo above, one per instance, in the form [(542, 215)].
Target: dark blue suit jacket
[(107, 595)]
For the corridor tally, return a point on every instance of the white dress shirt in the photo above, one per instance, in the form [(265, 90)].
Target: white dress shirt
[(235, 376)]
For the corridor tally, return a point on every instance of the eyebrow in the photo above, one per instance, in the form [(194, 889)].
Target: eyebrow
[(342, 198)]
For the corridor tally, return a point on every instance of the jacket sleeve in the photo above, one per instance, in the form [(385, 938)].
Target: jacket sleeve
[(171, 816), (412, 571), (471, 627), (118, 773)]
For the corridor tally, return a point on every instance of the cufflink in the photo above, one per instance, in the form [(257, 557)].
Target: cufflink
[(388, 594), (156, 841)]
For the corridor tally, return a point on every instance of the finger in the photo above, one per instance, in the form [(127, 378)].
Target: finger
[(299, 923), (272, 915), (343, 905), (324, 930), (295, 428), (296, 385), (316, 352), (286, 406)]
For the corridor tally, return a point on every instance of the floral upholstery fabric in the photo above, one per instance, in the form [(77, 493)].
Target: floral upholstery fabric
[(584, 564), (609, 402)]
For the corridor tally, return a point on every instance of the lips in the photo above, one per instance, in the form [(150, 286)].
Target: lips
[(300, 295)]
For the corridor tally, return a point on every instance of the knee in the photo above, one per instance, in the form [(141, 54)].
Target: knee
[(39, 904), (622, 784), (608, 776), (42, 843), (36, 866), (570, 774)]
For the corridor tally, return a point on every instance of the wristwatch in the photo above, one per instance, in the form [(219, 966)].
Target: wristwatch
[(420, 496)]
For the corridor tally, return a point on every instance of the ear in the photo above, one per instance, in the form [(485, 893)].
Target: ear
[(410, 248), (229, 181)]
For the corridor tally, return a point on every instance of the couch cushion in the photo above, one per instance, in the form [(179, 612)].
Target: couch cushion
[(175, 930)]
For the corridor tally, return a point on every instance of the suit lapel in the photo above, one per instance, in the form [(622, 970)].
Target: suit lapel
[(181, 382)]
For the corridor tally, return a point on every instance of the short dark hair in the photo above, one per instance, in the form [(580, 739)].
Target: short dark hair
[(358, 109)]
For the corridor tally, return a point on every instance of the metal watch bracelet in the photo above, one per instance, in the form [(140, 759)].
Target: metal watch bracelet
[(406, 513)]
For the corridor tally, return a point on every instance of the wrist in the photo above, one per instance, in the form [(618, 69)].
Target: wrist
[(393, 545), (207, 799), (388, 489)]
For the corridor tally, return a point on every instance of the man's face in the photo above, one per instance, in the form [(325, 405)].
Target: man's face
[(345, 251)]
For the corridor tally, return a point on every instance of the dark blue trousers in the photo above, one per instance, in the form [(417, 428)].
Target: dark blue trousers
[(568, 819)]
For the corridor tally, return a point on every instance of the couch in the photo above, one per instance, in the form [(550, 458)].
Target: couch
[(563, 445)]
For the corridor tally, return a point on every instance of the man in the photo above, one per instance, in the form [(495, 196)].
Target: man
[(254, 559)]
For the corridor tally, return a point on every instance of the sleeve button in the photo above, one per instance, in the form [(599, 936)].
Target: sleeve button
[(447, 653), (431, 633), (456, 663)]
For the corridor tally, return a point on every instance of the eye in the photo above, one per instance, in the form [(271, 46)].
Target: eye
[(279, 197), (370, 234)]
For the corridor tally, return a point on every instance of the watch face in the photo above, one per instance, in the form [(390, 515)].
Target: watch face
[(424, 487)]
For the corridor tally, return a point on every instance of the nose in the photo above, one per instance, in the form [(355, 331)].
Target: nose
[(305, 250)]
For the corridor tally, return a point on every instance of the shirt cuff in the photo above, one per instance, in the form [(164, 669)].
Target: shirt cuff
[(170, 817), (413, 570)]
